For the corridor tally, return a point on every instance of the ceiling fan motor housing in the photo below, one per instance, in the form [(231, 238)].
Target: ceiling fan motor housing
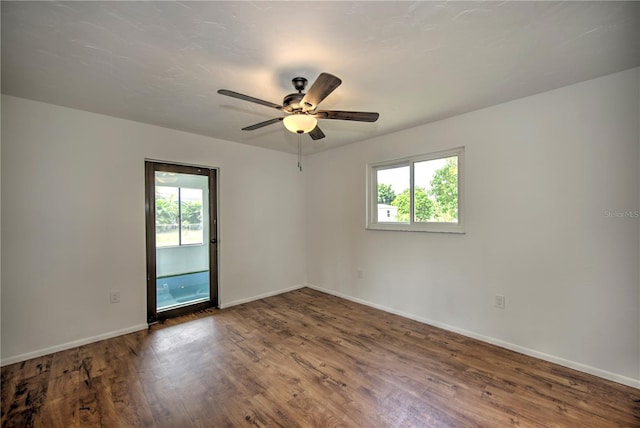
[(292, 101)]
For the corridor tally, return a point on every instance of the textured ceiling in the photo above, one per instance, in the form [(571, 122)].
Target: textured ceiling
[(413, 62)]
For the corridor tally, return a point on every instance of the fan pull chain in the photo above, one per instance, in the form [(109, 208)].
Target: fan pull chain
[(299, 153)]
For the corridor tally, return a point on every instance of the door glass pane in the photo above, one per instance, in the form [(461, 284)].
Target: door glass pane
[(182, 245)]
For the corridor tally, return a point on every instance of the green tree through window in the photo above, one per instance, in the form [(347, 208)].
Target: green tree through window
[(386, 195), (444, 192), (178, 216), (423, 205)]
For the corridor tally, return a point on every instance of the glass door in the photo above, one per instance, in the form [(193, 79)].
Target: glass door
[(181, 239)]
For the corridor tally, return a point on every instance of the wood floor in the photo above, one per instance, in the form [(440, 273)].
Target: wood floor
[(304, 359)]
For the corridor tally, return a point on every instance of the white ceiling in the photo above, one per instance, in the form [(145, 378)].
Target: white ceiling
[(413, 62)]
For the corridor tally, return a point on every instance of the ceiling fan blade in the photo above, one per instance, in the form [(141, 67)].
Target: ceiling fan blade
[(261, 124), (316, 133), (321, 88), (360, 116), (248, 98)]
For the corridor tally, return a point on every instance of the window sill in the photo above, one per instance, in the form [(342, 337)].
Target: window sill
[(425, 227)]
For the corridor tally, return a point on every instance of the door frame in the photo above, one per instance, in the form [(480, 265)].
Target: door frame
[(151, 166)]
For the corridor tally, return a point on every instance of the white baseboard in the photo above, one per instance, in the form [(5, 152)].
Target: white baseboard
[(109, 335), (69, 345), (635, 383), (262, 296)]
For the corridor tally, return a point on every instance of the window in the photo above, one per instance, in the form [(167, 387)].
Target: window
[(420, 193), (178, 216)]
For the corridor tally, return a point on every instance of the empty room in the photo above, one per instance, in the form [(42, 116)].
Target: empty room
[(314, 214)]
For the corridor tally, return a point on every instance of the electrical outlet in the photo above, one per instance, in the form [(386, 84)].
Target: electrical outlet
[(498, 301), (360, 274), (114, 296)]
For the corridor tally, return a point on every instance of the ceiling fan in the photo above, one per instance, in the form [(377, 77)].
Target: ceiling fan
[(302, 108)]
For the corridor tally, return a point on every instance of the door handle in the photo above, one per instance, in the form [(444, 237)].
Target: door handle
[(214, 241)]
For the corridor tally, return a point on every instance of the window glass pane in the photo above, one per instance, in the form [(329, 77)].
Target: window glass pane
[(393, 194), (436, 190), (191, 210), (167, 230)]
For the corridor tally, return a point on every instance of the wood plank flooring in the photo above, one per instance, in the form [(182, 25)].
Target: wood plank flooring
[(304, 359)]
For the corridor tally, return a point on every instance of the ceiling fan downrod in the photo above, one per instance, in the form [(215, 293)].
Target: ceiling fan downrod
[(299, 83)]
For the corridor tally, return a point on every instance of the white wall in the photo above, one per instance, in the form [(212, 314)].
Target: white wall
[(540, 174), (73, 222)]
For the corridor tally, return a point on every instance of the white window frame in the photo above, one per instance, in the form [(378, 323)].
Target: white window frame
[(372, 194)]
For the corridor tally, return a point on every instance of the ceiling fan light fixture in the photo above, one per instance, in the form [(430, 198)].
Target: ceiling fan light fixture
[(300, 123)]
